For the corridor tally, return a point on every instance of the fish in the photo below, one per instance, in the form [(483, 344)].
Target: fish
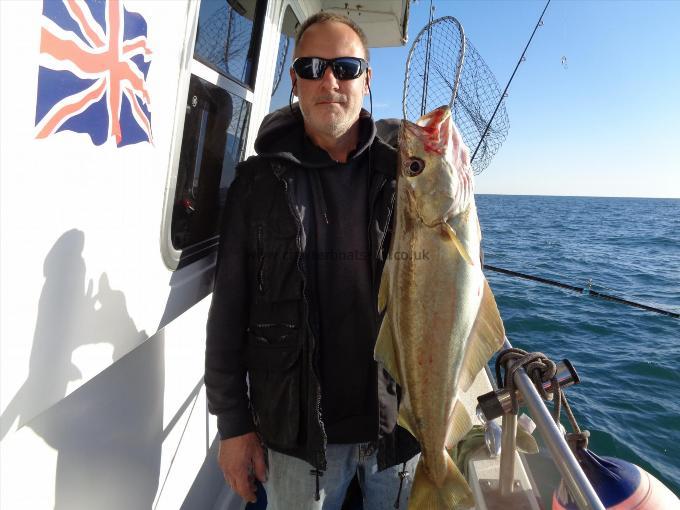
[(440, 324)]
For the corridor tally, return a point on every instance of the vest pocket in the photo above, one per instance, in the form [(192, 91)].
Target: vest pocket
[(284, 276), (276, 273), (274, 366)]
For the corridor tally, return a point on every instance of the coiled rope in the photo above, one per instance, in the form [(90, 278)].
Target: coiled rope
[(540, 369)]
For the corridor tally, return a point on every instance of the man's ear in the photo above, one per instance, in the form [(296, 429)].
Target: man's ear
[(293, 80), (367, 82)]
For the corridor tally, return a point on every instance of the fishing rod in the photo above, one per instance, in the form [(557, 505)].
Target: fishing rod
[(588, 290), (500, 101), (581, 290)]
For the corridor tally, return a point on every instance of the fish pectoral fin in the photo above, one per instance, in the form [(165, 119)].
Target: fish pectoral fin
[(384, 352), (486, 337), (451, 234), (455, 491), (459, 425)]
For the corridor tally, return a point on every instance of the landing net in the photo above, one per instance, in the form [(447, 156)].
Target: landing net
[(443, 67)]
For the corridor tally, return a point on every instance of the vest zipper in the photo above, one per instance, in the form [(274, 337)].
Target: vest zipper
[(387, 223), (260, 256), (320, 455), (371, 205)]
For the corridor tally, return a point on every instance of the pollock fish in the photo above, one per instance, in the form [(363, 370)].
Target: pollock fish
[(441, 324)]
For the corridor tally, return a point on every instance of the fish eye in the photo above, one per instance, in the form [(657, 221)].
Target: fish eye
[(415, 166)]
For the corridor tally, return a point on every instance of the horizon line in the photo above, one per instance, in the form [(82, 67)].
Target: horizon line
[(575, 196)]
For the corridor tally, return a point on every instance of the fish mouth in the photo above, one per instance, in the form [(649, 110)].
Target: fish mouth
[(432, 130), (436, 116)]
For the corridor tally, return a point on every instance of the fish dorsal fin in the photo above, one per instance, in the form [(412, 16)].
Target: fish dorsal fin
[(486, 337), (386, 355), (384, 291), (451, 234), (385, 352)]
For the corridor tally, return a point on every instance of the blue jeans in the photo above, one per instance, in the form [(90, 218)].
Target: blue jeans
[(291, 486)]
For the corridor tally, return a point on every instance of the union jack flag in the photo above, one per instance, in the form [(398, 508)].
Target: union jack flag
[(94, 61)]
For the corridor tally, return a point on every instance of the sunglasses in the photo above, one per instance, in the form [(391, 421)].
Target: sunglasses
[(344, 68)]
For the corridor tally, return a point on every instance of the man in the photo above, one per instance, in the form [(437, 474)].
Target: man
[(304, 237)]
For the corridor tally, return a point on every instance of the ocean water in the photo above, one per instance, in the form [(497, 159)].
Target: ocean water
[(628, 359)]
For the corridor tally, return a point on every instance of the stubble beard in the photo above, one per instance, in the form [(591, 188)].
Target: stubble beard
[(337, 125)]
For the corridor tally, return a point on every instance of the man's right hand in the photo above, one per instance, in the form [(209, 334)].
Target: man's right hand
[(239, 458)]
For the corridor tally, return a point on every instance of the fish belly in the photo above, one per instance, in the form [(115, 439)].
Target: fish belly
[(435, 316)]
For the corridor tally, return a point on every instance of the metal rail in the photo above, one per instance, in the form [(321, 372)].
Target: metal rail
[(578, 484)]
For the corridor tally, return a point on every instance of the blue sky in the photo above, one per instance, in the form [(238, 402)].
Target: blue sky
[(605, 124)]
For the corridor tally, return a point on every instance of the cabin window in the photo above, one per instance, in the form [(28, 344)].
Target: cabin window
[(281, 86), (228, 37), (215, 125), (212, 145)]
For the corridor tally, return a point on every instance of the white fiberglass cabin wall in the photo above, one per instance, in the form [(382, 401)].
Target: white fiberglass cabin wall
[(122, 122)]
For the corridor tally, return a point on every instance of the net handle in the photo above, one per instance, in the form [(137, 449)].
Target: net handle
[(459, 66)]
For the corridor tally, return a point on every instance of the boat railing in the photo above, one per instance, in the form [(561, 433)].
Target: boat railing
[(575, 479)]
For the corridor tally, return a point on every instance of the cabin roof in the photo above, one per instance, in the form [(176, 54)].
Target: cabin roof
[(385, 22)]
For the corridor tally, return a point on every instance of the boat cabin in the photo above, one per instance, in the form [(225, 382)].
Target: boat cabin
[(122, 123)]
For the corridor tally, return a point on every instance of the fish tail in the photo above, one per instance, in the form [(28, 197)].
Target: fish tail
[(454, 493)]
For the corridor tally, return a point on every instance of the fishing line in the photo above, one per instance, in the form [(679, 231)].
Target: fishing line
[(588, 290), (521, 59)]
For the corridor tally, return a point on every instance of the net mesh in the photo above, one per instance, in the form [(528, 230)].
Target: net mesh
[(433, 62), (224, 40)]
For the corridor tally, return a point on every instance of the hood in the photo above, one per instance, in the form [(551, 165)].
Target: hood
[(282, 136)]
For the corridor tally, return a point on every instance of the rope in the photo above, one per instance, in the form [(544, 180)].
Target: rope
[(578, 439), (588, 290), (540, 369), (538, 366)]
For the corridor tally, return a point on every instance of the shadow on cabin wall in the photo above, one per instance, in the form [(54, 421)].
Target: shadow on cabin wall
[(108, 433)]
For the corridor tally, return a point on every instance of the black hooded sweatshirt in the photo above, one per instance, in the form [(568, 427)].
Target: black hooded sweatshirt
[(339, 271)]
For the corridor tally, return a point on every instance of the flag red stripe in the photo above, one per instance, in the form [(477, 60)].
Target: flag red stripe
[(67, 110), (92, 34), (139, 44), (140, 113), (68, 50), (115, 66)]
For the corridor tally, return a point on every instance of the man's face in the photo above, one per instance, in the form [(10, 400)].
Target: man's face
[(330, 106)]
